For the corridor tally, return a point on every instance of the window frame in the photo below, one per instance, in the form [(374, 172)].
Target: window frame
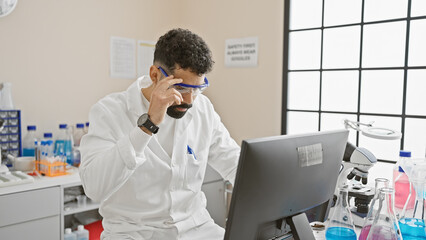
[(360, 69)]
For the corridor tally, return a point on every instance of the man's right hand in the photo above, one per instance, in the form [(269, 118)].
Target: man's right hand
[(162, 97)]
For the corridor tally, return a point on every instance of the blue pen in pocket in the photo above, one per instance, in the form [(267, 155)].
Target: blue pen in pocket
[(190, 151)]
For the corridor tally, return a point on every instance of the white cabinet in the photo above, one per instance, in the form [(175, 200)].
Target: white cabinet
[(31, 214), (36, 210)]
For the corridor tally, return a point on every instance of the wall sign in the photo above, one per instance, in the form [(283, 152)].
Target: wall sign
[(241, 52)]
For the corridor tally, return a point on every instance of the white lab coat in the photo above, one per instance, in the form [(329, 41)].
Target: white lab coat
[(143, 192)]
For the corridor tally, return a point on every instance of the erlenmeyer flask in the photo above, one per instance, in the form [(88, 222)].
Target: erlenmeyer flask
[(412, 221), (341, 225), (374, 206), (385, 225)]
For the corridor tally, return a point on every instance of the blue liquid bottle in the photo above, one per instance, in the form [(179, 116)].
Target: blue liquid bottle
[(28, 145), (341, 225), (63, 144)]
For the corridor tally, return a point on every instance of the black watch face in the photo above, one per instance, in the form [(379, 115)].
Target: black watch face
[(142, 119)]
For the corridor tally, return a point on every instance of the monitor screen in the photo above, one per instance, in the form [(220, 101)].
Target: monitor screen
[(283, 176)]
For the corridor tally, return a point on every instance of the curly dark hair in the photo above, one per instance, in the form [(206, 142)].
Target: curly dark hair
[(182, 47)]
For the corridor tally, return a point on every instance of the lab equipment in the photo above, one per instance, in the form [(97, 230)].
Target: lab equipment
[(69, 235), (10, 178), (283, 183), (86, 127), (401, 184), (81, 200), (28, 142), (47, 144), (6, 101), (10, 135), (413, 221), (78, 133), (82, 234), (76, 157), (3, 168), (63, 144), (368, 130), (385, 225), (379, 184), (24, 164), (341, 225)]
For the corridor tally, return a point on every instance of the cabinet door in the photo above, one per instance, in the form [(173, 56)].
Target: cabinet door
[(30, 205), (45, 228)]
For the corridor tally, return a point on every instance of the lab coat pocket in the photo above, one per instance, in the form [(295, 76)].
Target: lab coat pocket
[(193, 174)]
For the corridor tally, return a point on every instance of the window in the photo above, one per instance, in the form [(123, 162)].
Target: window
[(363, 60)]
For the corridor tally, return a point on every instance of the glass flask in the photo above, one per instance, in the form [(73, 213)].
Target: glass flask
[(341, 225), (385, 225), (412, 221), (379, 184)]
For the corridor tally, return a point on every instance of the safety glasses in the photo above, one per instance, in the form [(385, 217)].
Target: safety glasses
[(187, 88)]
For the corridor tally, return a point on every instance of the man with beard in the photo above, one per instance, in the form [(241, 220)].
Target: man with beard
[(147, 149)]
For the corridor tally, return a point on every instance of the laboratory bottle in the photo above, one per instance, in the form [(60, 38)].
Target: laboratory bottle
[(86, 127), (78, 133), (379, 184), (6, 102), (82, 234), (48, 148), (28, 141), (341, 225), (76, 157), (63, 143), (69, 235), (412, 221), (401, 184), (385, 225)]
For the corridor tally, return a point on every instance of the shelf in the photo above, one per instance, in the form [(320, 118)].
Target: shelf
[(72, 208)]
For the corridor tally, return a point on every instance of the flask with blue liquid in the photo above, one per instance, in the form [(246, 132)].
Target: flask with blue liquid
[(413, 221), (341, 225)]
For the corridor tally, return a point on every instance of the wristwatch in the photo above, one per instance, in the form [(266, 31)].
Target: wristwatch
[(144, 121)]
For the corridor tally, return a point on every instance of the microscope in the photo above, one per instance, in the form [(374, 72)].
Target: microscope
[(355, 165)]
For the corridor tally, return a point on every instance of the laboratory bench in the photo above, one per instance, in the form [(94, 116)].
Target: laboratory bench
[(41, 210), (37, 210)]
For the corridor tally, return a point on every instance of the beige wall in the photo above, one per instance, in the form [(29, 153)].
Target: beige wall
[(56, 54), (247, 99)]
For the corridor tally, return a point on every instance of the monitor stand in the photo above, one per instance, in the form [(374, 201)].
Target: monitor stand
[(300, 227)]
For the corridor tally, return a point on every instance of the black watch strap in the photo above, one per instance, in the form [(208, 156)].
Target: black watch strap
[(145, 121)]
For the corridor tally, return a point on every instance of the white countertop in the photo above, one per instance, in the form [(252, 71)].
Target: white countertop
[(73, 178)]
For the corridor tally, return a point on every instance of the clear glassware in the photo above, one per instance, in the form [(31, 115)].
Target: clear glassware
[(341, 225), (412, 221), (379, 184), (385, 225)]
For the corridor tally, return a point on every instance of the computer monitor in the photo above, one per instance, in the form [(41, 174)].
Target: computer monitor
[(281, 177)]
